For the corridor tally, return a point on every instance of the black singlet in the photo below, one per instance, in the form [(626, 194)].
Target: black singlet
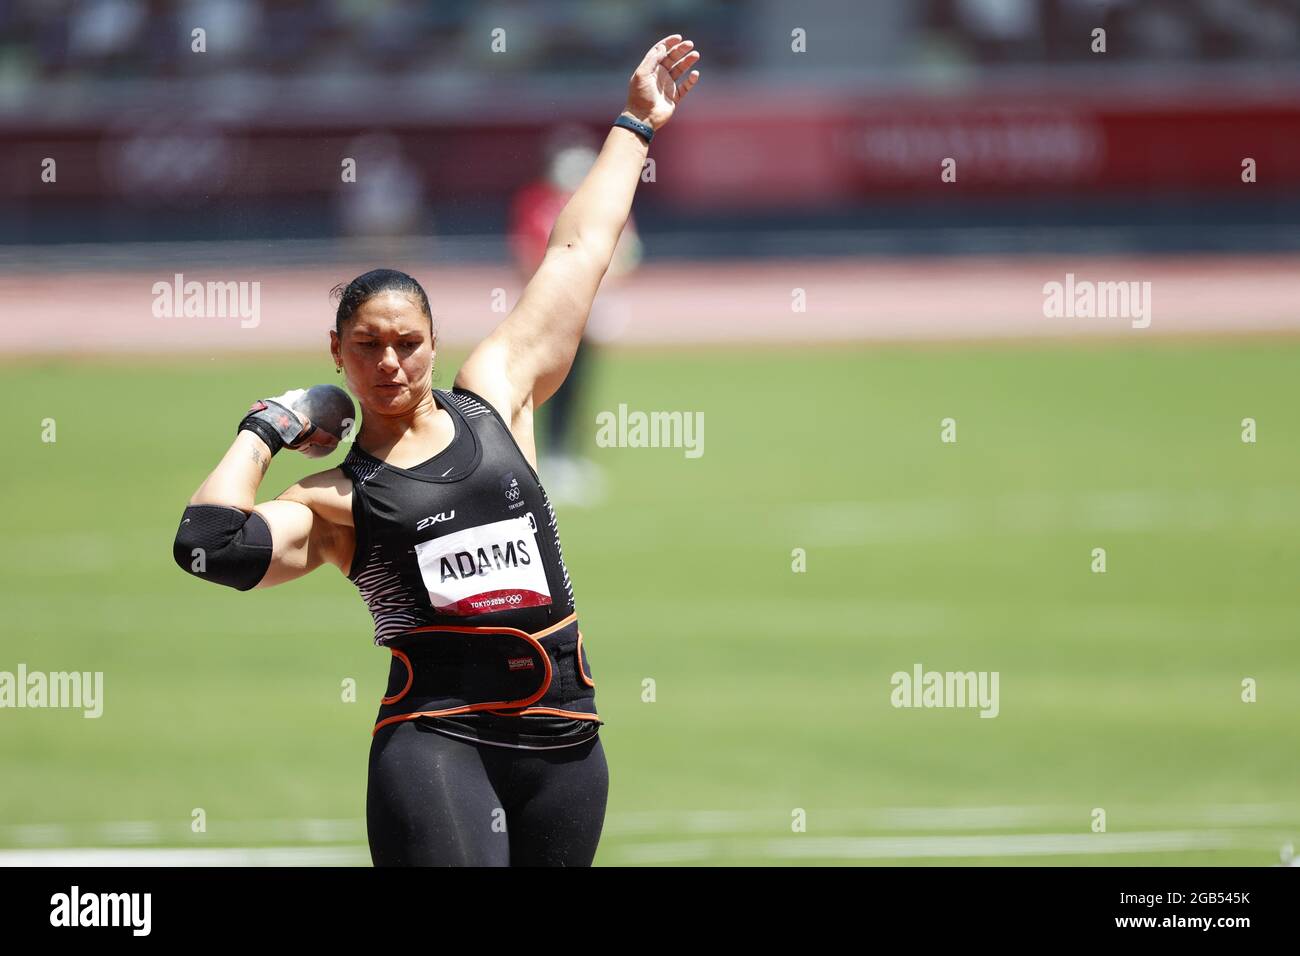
[(479, 481)]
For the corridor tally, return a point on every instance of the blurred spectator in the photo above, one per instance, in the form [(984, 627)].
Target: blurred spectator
[(387, 198), (97, 39), (233, 26), (1054, 31), (103, 29)]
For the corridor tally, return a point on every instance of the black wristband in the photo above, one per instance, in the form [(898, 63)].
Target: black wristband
[(646, 131), (262, 430)]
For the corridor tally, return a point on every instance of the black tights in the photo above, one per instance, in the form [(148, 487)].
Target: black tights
[(434, 800)]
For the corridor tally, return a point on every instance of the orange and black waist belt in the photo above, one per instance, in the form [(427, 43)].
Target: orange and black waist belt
[(440, 671)]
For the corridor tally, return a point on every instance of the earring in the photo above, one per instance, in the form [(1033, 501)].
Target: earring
[(338, 368)]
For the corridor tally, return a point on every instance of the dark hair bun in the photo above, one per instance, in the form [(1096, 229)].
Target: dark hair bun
[(364, 287)]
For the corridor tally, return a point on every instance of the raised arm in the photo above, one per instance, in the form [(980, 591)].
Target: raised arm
[(528, 355), (225, 538)]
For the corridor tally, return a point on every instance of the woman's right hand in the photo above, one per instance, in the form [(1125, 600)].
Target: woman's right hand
[(280, 417), (653, 93)]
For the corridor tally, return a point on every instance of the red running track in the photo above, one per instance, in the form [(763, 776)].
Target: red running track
[(680, 303)]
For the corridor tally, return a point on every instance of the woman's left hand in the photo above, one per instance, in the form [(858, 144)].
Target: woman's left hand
[(654, 91)]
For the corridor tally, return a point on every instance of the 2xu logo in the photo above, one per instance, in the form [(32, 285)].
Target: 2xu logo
[(434, 519)]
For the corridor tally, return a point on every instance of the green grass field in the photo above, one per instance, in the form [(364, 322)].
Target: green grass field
[(1119, 691)]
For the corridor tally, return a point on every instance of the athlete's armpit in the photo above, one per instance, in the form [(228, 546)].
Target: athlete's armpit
[(485, 373)]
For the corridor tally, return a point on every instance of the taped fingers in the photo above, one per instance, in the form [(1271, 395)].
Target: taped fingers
[(311, 420)]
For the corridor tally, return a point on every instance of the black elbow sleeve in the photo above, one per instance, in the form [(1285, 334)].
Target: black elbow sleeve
[(223, 544)]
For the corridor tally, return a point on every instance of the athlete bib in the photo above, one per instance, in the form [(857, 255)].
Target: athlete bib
[(490, 567)]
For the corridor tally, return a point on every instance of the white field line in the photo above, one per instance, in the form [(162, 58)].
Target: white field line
[(800, 846), (627, 823), (794, 847), (139, 832), (343, 834), (222, 856), (717, 822)]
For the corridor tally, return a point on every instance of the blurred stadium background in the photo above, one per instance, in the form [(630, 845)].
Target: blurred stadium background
[(813, 171)]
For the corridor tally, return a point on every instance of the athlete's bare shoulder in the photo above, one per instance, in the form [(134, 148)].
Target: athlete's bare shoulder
[(484, 380)]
